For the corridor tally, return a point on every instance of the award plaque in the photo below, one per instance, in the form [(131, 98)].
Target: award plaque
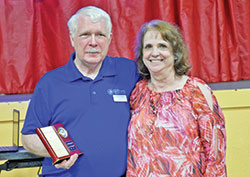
[(58, 142)]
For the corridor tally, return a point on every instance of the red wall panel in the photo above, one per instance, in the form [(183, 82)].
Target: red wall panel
[(34, 36)]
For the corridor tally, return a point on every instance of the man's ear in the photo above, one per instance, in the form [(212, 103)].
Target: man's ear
[(110, 37), (71, 40)]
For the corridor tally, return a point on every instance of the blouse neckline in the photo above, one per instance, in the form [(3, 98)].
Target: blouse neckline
[(169, 91)]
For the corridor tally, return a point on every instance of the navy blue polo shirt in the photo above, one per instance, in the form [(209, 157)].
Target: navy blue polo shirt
[(86, 107)]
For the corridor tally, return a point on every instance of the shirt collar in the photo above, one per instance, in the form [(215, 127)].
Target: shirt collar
[(108, 68)]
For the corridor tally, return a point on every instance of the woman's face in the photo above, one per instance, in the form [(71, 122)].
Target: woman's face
[(157, 54)]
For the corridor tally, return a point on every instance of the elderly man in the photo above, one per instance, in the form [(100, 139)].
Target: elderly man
[(89, 95)]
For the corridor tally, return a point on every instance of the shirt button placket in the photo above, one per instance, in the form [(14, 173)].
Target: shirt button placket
[(93, 93)]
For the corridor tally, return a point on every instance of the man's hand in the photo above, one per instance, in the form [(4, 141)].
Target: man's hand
[(67, 163)]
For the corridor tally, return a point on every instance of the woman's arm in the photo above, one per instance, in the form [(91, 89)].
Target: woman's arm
[(212, 134)]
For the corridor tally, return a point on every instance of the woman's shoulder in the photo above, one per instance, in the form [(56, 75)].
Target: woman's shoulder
[(139, 91), (203, 90), (196, 80), (142, 83), (139, 87), (198, 83)]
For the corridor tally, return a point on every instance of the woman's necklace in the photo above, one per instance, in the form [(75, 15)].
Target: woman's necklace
[(154, 100), (154, 104)]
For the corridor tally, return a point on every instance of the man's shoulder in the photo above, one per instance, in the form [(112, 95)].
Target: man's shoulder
[(124, 68), (122, 63), (57, 71), (121, 60), (53, 74)]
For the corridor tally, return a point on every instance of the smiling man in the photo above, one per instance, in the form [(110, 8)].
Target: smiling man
[(89, 96)]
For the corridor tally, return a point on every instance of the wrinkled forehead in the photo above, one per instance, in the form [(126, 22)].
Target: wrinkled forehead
[(85, 22)]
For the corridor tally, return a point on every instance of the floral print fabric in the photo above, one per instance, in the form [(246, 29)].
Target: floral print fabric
[(175, 133)]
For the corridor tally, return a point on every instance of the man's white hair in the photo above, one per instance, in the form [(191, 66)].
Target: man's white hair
[(95, 14)]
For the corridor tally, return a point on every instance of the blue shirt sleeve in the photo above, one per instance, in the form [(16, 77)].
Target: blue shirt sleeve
[(38, 113)]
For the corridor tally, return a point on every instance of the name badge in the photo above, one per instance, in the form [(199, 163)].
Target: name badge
[(120, 98)]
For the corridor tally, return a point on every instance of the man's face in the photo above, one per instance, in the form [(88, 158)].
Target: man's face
[(91, 41)]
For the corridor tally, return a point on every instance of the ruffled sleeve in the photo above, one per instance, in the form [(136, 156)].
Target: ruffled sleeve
[(212, 133)]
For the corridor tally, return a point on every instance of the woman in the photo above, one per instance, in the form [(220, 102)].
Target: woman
[(177, 127)]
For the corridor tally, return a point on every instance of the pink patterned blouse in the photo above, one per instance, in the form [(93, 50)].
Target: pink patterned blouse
[(175, 133)]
